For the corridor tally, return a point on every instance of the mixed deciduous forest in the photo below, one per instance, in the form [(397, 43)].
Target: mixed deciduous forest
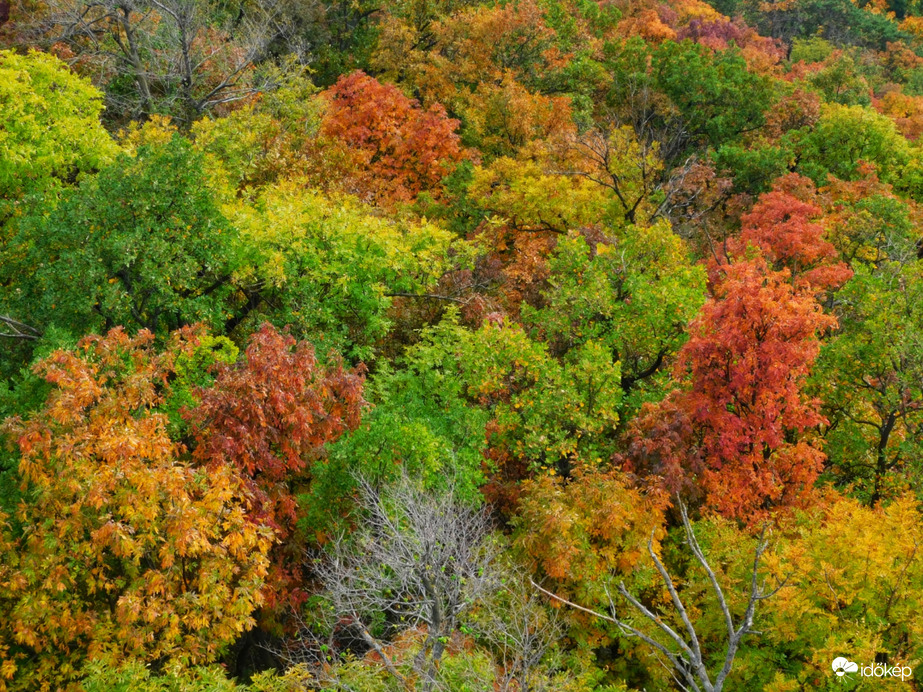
[(461, 345)]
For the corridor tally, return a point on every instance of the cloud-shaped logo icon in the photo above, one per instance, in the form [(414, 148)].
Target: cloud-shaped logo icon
[(841, 666)]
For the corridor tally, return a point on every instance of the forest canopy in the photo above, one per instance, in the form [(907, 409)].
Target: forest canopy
[(511, 345)]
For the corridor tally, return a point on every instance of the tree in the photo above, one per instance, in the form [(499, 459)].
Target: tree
[(682, 654), (870, 375), (632, 288), (270, 417), (748, 355), (867, 374), (416, 560), (871, 602), (495, 68), (740, 426), (521, 633), (421, 422), (861, 599), (839, 82), (173, 57), (145, 240), (52, 134), (684, 95), (545, 413), (784, 225), (717, 97), (400, 149), (846, 135), (125, 551), (628, 168), (838, 21), (331, 268), (575, 533), (529, 196), (270, 137), (486, 404), (720, 33)]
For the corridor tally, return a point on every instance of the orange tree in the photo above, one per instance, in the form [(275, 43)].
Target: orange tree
[(399, 149), (123, 550)]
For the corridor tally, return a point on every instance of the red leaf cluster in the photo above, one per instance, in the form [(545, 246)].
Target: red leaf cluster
[(271, 415), (784, 225), (736, 434), (720, 34), (400, 149)]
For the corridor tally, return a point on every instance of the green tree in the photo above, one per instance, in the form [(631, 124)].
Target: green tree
[(145, 241), (633, 291), (870, 374), (846, 135), (717, 97), (684, 95), (421, 423), (840, 81), (330, 268)]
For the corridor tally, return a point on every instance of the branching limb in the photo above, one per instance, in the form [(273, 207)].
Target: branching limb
[(14, 329), (687, 663)]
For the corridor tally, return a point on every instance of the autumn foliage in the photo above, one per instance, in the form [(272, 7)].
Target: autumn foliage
[(269, 417), (127, 550), (635, 286), (399, 149), (786, 225), (743, 425), (742, 420), (578, 532)]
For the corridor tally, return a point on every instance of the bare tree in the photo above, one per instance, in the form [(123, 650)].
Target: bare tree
[(184, 57), (521, 631), (417, 559), (683, 656)]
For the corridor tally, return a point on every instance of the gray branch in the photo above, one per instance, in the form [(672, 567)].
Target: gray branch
[(685, 660), (14, 329)]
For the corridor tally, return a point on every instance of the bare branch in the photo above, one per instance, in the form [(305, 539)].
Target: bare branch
[(687, 663), (417, 562), (14, 329)]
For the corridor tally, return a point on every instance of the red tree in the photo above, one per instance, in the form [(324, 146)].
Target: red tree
[(736, 433), (271, 415), (399, 148), (785, 225)]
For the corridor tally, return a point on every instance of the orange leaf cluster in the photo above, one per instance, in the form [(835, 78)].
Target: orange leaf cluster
[(399, 149), (126, 551)]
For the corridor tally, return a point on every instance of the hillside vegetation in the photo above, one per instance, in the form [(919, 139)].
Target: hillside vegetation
[(510, 346)]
